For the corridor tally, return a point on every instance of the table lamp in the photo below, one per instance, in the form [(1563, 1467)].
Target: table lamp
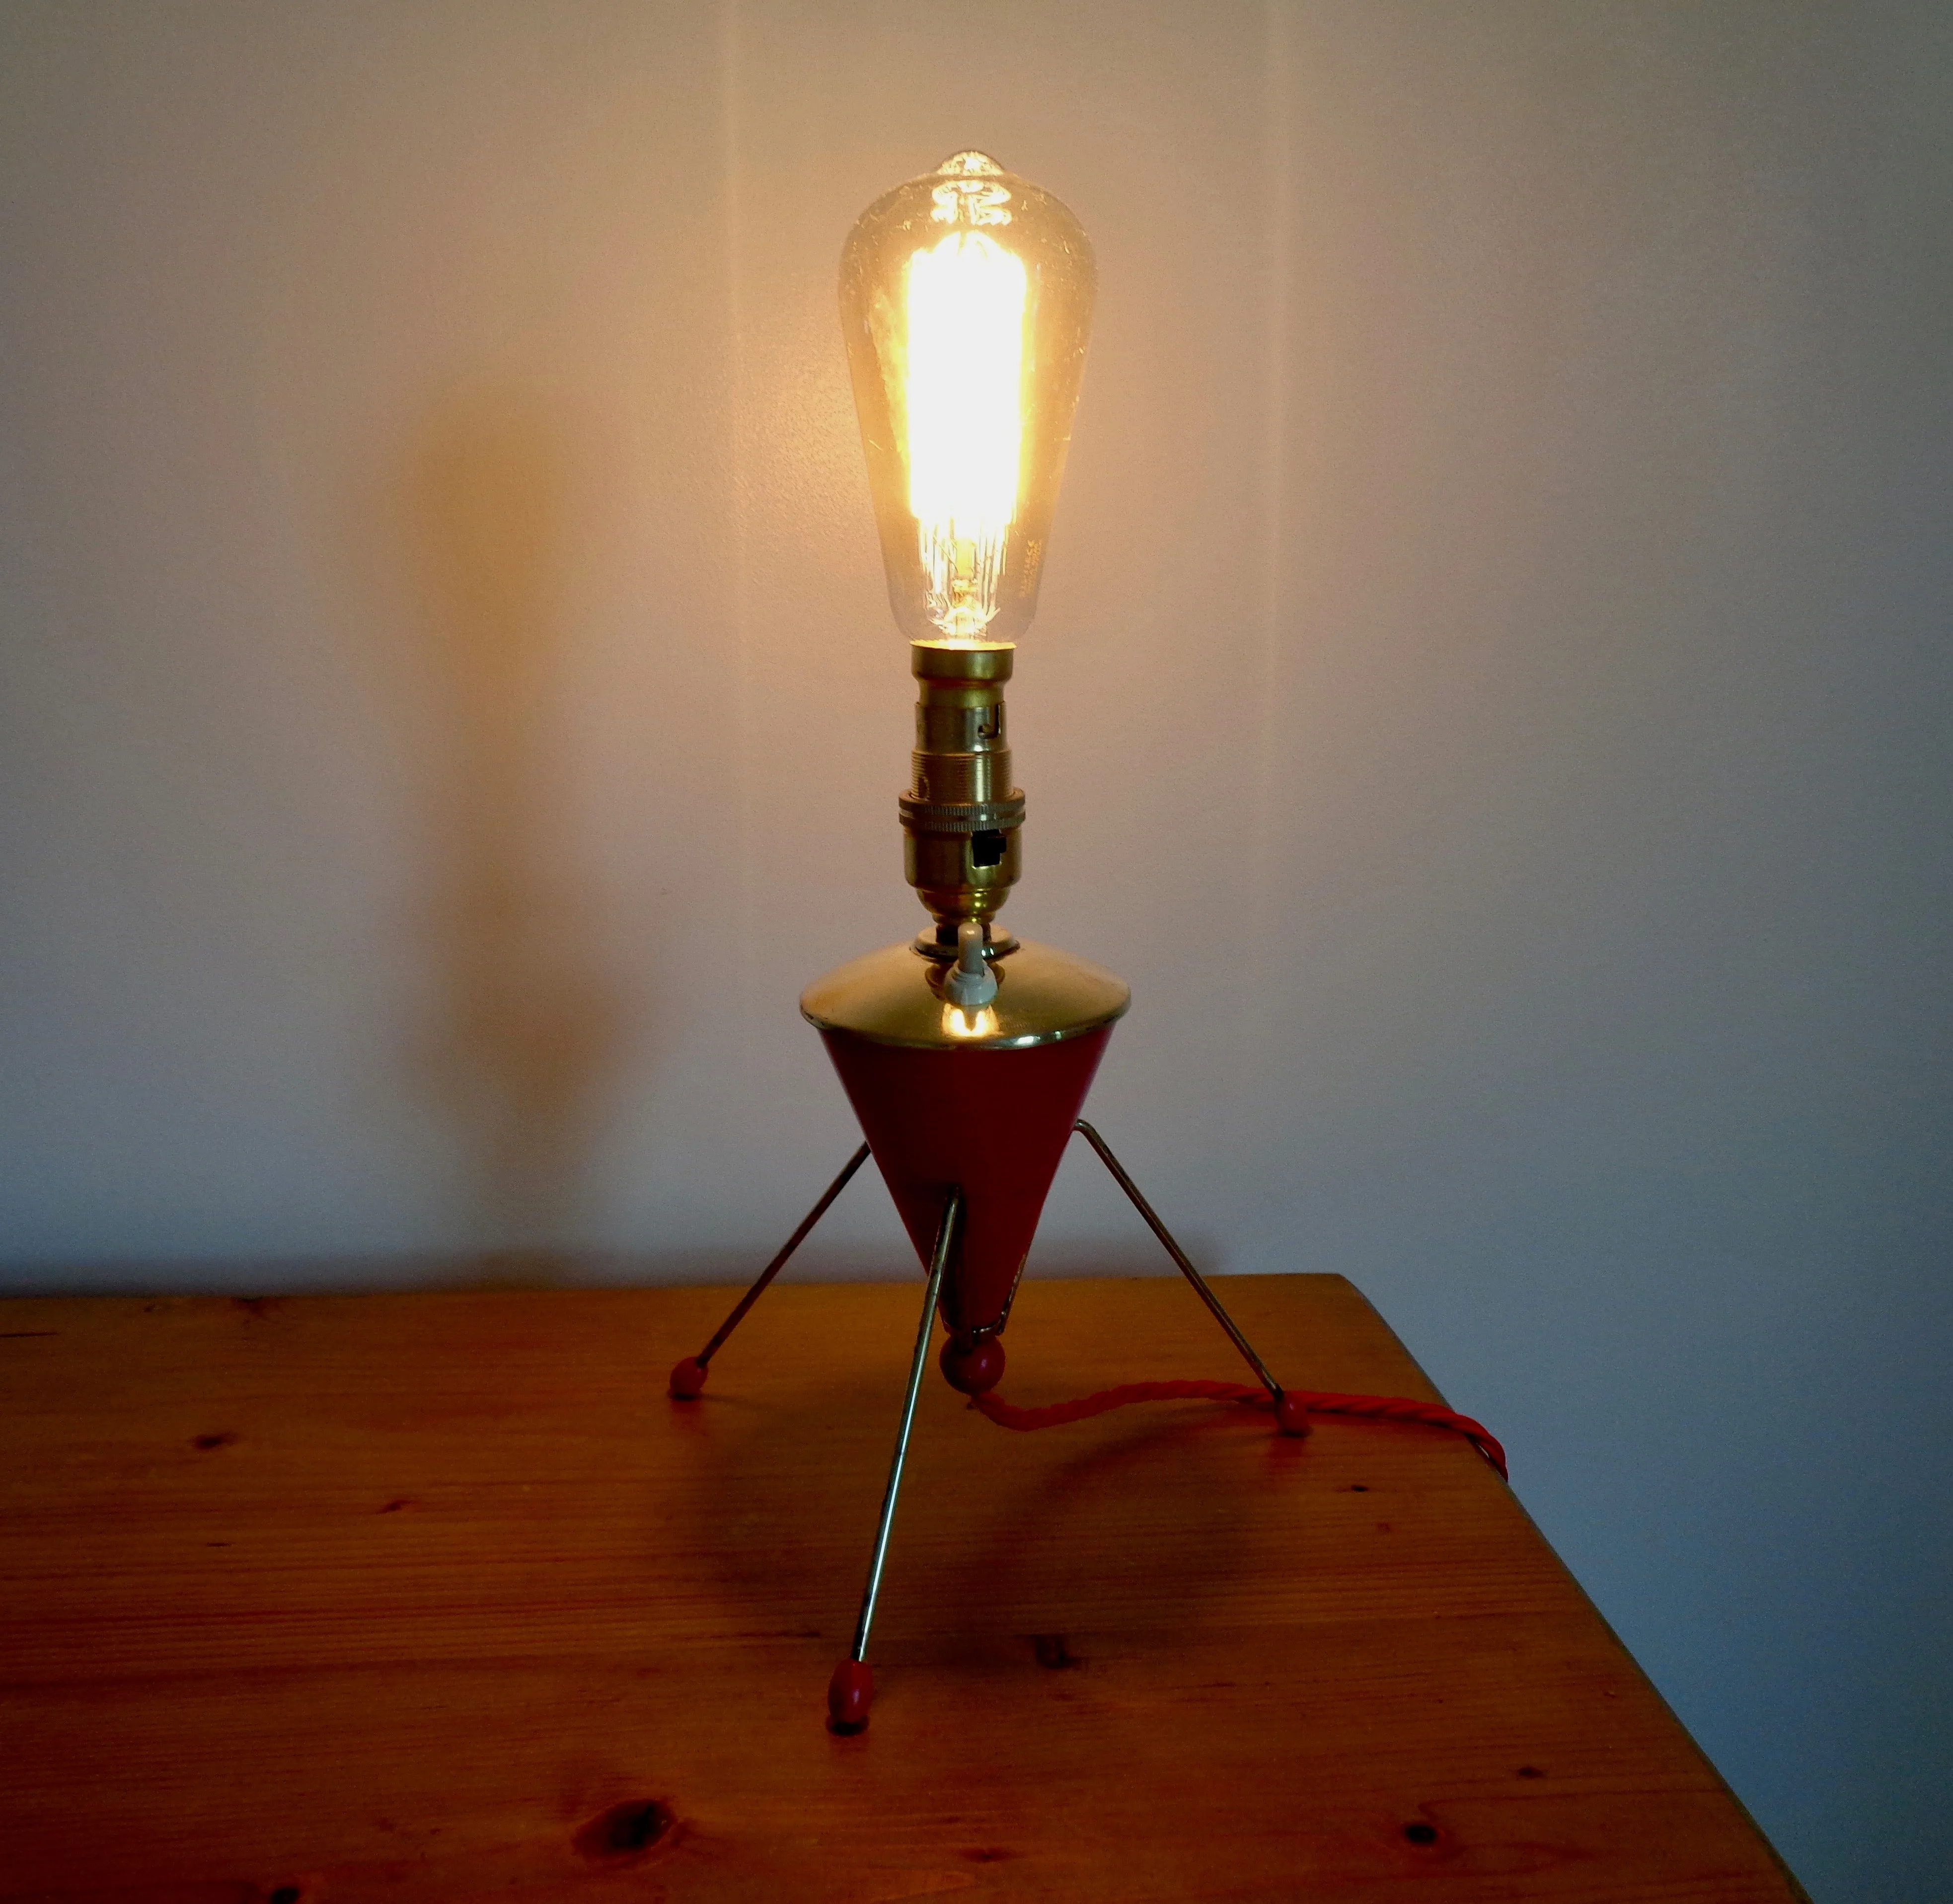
[(967, 298)]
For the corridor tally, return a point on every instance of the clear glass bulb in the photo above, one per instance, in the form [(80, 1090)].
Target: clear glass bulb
[(967, 297)]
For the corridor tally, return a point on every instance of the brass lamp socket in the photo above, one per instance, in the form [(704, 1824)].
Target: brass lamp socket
[(961, 816)]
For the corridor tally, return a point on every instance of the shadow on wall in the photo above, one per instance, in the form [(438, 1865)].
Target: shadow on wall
[(524, 1037)]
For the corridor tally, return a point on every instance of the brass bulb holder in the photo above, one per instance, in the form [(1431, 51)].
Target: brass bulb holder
[(962, 817)]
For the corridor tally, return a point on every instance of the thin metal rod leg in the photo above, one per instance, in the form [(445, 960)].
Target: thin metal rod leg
[(779, 1262), (1179, 1255), (945, 1240), (687, 1376)]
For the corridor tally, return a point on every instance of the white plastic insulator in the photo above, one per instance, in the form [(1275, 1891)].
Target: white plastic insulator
[(971, 984)]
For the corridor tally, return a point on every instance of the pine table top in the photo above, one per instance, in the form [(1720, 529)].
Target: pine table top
[(439, 1596)]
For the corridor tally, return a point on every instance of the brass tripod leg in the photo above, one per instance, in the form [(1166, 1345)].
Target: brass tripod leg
[(688, 1378), (852, 1686), (1193, 1276)]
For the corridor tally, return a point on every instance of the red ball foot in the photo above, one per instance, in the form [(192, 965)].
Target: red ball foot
[(688, 1379), (1291, 1417), (970, 1368), (849, 1693)]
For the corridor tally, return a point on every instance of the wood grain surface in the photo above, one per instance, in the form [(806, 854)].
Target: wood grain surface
[(438, 1596)]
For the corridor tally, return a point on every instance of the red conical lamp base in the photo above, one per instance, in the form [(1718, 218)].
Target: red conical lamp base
[(989, 1110), (995, 1122)]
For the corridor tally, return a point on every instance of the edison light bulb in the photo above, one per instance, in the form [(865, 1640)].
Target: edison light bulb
[(967, 295)]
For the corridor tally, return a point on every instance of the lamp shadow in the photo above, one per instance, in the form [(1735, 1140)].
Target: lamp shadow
[(1136, 1524), (524, 1037)]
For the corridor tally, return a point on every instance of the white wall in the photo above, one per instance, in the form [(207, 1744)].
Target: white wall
[(1490, 699)]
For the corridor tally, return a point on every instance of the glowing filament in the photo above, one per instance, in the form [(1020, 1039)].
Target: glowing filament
[(966, 323)]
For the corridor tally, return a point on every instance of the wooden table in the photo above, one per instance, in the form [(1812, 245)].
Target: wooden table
[(439, 1596)]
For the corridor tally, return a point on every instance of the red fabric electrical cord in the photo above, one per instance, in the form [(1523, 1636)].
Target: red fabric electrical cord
[(1391, 1408)]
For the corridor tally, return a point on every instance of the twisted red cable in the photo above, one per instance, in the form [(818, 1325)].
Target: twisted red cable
[(1392, 1408)]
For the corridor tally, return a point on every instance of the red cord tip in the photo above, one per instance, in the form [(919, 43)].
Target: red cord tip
[(1291, 1415), (688, 1379), (849, 1694)]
